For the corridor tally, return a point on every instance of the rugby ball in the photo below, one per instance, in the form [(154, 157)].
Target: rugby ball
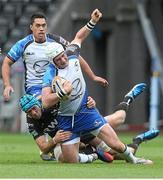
[(57, 84)]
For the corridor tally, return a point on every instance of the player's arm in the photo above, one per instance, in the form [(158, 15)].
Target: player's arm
[(6, 71), (49, 98), (86, 68), (46, 147), (80, 37), (82, 34)]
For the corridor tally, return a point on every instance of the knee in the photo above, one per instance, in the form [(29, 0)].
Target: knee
[(121, 115)]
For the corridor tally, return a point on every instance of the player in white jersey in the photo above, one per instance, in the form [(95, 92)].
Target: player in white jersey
[(76, 117), (32, 51)]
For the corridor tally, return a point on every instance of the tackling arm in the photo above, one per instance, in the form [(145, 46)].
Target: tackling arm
[(46, 147)]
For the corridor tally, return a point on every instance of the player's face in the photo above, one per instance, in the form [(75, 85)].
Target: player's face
[(61, 61), (39, 28), (35, 112)]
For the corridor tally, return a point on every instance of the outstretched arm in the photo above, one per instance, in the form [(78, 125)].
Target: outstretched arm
[(84, 31)]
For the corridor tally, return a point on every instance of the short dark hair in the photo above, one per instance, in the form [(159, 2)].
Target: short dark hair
[(37, 15)]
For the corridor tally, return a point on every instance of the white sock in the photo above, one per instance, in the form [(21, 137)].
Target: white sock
[(103, 146), (85, 158), (127, 155)]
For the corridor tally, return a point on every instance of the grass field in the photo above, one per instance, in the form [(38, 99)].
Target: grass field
[(19, 158)]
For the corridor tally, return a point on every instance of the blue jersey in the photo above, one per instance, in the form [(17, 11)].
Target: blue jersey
[(34, 59)]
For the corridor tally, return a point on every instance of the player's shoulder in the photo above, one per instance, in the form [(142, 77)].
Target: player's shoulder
[(72, 51), (57, 38), (26, 40)]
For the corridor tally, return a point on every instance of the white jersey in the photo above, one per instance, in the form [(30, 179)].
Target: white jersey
[(74, 74), (34, 58)]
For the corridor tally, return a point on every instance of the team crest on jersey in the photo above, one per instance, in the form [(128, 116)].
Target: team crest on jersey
[(97, 123)]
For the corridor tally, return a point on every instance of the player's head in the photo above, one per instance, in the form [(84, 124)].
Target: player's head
[(31, 105), (38, 26), (56, 54)]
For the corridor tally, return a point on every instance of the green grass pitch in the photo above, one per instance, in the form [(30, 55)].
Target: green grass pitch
[(19, 158)]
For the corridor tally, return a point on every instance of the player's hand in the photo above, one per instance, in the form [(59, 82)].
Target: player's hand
[(101, 80), (7, 92), (61, 136), (67, 86), (91, 103), (96, 15)]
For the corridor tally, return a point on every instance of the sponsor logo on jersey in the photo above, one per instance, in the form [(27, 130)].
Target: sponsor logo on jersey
[(77, 89), (29, 53), (40, 66)]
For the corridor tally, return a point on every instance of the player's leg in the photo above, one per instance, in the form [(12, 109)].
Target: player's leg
[(108, 135), (82, 157), (92, 121), (148, 135), (95, 145), (118, 117), (70, 152)]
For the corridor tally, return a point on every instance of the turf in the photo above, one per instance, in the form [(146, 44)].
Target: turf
[(19, 158)]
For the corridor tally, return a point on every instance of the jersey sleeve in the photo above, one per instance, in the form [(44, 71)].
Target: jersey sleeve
[(34, 128), (59, 39), (73, 49), (48, 76), (16, 51)]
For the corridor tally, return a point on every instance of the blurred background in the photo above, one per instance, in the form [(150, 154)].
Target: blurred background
[(125, 47)]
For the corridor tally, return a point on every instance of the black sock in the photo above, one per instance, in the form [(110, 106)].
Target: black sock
[(122, 106), (137, 141), (134, 146)]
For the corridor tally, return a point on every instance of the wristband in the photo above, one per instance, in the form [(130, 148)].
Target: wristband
[(60, 94), (90, 25)]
